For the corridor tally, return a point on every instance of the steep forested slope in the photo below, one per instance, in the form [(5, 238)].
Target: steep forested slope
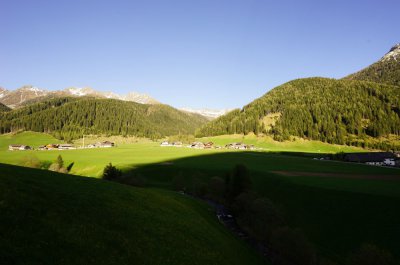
[(386, 70), (4, 107), (68, 118), (334, 111)]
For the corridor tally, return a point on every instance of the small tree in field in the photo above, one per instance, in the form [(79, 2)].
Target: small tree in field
[(237, 181), (369, 254), (110, 172)]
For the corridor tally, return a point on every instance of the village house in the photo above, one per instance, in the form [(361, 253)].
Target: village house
[(197, 145), (372, 158), (66, 146), (208, 145), (165, 143), (105, 144), (177, 144), (15, 147), (52, 146)]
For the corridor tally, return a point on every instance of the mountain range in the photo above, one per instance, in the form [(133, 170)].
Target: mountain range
[(30, 94), (362, 109)]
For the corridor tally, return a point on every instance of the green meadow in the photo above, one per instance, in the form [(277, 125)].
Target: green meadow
[(52, 218), (128, 154), (338, 205)]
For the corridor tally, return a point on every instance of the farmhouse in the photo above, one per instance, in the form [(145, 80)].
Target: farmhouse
[(165, 143), (373, 158), (208, 145), (197, 145), (107, 144), (52, 146), (15, 147), (104, 144), (177, 144), (66, 146)]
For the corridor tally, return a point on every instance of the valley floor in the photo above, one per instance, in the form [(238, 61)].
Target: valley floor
[(338, 205)]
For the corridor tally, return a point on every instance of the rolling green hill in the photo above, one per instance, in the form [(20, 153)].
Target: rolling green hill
[(52, 218), (335, 111), (69, 118)]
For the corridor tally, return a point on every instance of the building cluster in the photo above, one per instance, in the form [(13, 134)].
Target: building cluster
[(19, 147), (374, 158), (240, 146), (210, 145), (104, 144)]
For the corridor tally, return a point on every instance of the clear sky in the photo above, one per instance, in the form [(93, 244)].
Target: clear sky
[(203, 53)]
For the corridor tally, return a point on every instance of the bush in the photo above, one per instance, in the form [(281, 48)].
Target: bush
[(257, 216), (292, 247), (216, 189), (178, 182), (31, 161), (237, 181), (110, 172), (58, 166), (369, 254)]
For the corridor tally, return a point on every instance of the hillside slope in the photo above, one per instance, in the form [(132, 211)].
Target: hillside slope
[(69, 118), (386, 70), (334, 111), (4, 107), (51, 218)]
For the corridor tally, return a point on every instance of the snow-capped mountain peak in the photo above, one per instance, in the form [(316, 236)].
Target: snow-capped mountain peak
[(79, 91), (209, 113), (394, 53)]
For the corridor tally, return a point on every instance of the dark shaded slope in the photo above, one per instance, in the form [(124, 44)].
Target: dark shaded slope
[(52, 218)]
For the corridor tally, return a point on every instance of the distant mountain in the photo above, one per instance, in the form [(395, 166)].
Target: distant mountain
[(70, 117), (348, 111), (209, 113), (30, 94), (386, 70), (13, 99)]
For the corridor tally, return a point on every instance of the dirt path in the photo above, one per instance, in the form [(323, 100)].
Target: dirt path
[(335, 175)]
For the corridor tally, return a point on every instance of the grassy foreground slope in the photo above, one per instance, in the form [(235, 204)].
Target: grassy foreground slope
[(51, 218)]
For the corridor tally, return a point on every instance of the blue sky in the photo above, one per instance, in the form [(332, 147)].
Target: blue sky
[(205, 53)]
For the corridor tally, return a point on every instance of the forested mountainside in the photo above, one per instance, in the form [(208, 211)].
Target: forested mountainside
[(334, 111), (386, 70), (69, 118), (4, 107)]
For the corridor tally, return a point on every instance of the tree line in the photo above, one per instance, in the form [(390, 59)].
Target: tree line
[(333, 111), (69, 118)]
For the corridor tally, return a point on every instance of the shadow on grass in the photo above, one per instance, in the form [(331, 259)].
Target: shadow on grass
[(337, 220)]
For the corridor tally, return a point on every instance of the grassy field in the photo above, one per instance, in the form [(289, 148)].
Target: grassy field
[(52, 218), (337, 212), (136, 152), (268, 144)]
